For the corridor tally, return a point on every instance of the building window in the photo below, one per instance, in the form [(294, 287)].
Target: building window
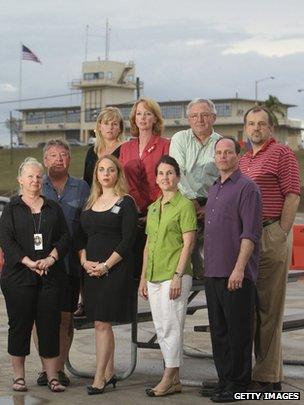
[(73, 116), (125, 112), (172, 111), (33, 118), (223, 110), (54, 117), (130, 78), (109, 75), (91, 114), (93, 76)]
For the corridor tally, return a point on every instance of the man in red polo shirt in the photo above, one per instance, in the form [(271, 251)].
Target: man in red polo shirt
[(274, 168)]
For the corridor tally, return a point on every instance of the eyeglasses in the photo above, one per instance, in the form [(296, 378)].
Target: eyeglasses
[(196, 116)]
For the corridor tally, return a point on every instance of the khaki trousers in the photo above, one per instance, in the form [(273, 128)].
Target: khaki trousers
[(275, 256)]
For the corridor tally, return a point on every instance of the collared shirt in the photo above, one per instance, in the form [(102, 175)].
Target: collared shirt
[(276, 171), (233, 212), (140, 170), (165, 230), (17, 230), (196, 161), (72, 199)]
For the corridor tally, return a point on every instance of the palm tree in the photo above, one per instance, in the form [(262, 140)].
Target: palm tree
[(276, 108)]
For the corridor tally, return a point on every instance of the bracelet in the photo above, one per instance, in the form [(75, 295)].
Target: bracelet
[(53, 257), (178, 275), (106, 273), (83, 263)]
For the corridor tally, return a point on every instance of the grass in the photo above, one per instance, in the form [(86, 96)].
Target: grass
[(8, 170), (8, 182)]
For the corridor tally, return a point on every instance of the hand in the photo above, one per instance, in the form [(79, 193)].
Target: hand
[(46, 263), (100, 270), (236, 279), (32, 265), (200, 211), (89, 267), (142, 289), (175, 288)]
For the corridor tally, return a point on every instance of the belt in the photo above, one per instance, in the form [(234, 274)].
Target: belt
[(270, 221)]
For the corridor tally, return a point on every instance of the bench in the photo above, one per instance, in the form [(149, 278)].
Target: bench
[(82, 323), (290, 323)]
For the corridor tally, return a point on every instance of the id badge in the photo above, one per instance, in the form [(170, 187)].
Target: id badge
[(115, 209), (38, 241)]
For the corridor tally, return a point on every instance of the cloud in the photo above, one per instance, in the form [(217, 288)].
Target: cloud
[(7, 87), (267, 46)]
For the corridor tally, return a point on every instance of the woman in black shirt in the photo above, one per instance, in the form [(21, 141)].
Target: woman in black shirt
[(34, 237), (108, 132)]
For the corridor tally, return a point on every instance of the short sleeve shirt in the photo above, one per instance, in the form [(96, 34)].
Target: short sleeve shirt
[(165, 236)]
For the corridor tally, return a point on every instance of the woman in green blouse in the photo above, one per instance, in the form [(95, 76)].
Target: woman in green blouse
[(167, 274)]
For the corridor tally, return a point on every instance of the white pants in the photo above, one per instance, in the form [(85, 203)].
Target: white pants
[(169, 318)]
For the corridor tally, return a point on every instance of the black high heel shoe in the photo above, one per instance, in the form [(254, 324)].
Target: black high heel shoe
[(94, 390), (113, 380)]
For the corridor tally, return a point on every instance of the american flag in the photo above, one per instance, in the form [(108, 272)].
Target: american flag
[(27, 54)]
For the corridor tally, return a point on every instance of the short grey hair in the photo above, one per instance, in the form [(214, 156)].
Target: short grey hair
[(56, 142), (210, 104), (29, 161)]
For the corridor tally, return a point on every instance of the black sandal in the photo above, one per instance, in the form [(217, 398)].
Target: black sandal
[(55, 386)]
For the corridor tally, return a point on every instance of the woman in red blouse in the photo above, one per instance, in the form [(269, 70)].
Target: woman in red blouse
[(140, 155), (139, 158)]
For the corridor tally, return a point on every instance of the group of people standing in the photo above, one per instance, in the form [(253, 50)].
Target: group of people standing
[(154, 210)]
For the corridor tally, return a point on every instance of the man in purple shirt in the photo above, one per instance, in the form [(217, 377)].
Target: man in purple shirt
[(233, 226)]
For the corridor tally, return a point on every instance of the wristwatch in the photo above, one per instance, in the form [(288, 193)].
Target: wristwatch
[(178, 275)]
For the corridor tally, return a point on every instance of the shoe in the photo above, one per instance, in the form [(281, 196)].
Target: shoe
[(260, 386), (42, 379), (19, 385), (172, 389), (94, 390), (63, 378), (210, 383), (277, 386), (79, 311), (223, 396), (55, 386), (113, 380), (209, 392)]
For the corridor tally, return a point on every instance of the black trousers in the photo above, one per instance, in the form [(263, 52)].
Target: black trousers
[(231, 316), (28, 304)]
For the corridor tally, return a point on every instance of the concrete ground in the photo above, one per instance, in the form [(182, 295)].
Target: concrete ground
[(149, 364)]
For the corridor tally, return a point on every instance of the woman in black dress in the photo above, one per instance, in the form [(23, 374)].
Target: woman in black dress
[(108, 228), (108, 132)]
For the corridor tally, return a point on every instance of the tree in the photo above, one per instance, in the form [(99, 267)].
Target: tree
[(276, 107), (14, 125)]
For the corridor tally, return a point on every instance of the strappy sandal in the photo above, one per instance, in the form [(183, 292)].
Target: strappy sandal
[(19, 385), (55, 386)]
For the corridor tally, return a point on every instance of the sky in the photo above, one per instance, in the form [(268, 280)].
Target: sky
[(182, 49)]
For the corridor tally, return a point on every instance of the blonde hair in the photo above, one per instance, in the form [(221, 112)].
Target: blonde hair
[(29, 161), (107, 114), (153, 107), (120, 187)]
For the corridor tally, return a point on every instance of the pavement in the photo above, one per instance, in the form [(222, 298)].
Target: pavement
[(149, 364)]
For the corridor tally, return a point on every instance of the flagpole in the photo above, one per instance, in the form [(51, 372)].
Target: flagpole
[(20, 84)]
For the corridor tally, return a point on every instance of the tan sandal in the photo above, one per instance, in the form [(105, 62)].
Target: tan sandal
[(19, 385), (55, 386)]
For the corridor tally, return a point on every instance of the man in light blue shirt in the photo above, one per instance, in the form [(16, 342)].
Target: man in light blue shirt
[(193, 149), (71, 194)]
